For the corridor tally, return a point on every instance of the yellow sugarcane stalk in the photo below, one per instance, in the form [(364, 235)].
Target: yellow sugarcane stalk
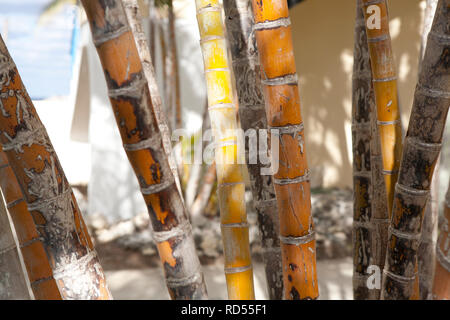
[(230, 181), (385, 87)]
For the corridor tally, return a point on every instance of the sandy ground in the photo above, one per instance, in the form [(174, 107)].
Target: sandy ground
[(335, 281)]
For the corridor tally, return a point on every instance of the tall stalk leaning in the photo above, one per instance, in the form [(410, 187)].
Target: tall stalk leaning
[(423, 144), (230, 180), (130, 98), (62, 234), (385, 87), (13, 285), (39, 271), (245, 61), (291, 182)]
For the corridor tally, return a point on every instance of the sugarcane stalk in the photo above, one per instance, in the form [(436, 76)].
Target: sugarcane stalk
[(426, 253), (423, 144), (385, 87), (13, 285), (441, 282), (292, 181), (230, 180), (130, 97), (201, 201), (62, 236), (174, 72), (245, 61)]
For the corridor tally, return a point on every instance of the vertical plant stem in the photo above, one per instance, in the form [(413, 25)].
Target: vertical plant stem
[(422, 147), (230, 180), (174, 73), (131, 101), (385, 87), (61, 233), (245, 61), (292, 181)]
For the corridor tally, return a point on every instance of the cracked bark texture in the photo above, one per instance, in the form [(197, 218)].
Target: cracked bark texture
[(384, 80), (130, 97), (441, 283), (230, 179), (245, 61), (292, 181), (39, 271), (365, 232), (13, 284), (422, 147), (426, 253), (61, 233)]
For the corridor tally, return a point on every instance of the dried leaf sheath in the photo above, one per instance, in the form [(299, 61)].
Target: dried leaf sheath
[(230, 181), (132, 105), (385, 86), (62, 235), (38, 267), (13, 284), (242, 42), (441, 283), (422, 147), (291, 182)]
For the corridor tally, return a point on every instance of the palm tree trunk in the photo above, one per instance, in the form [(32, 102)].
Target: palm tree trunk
[(230, 180), (130, 98), (363, 107), (292, 181), (13, 285), (245, 61), (426, 253), (39, 271), (61, 233), (385, 86), (441, 283), (422, 147)]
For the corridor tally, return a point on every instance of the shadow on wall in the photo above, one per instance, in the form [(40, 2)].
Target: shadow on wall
[(323, 44)]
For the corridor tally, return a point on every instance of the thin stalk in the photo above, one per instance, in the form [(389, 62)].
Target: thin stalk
[(230, 179)]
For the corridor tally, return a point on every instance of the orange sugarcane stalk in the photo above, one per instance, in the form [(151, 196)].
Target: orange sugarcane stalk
[(131, 100), (292, 181), (245, 61), (384, 79), (441, 283), (230, 179), (13, 285), (62, 236), (423, 144), (38, 267)]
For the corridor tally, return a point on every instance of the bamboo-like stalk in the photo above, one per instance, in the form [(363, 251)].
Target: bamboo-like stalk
[(422, 147), (174, 72), (385, 87), (130, 98), (152, 28), (426, 254), (363, 105), (441, 283), (39, 271), (292, 181), (61, 233), (204, 193), (245, 61), (230, 180), (13, 285)]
